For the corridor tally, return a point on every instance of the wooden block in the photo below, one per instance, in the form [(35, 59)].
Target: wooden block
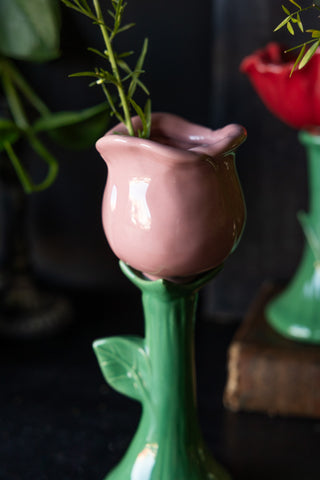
[(268, 373)]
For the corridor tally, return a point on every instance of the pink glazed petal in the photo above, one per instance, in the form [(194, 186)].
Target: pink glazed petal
[(173, 205)]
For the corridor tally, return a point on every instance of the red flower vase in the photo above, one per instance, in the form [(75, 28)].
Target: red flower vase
[(295, 100)]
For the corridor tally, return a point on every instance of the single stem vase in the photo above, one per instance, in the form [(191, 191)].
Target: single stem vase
[(159, 371), (295, 313), (173, 210)]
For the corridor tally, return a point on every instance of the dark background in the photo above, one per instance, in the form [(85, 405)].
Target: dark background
[(192, 69)]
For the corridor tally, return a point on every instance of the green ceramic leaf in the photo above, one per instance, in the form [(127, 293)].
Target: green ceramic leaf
[(76, 130), (30, 29), (8, 132), (125, 365)]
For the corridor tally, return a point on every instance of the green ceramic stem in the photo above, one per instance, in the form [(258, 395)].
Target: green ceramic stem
[(169, 339), (168, 444), (312, 145), (296, 312)]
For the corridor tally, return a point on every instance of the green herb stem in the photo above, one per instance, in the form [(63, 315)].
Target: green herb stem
[(48, 158), (11, 79), (27, 91), (20, 171), (28, 185), (14, 102), (113, 63)]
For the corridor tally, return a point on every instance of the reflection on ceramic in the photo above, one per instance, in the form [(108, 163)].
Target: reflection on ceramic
[(295, 100), (173, 206), (159, 372)]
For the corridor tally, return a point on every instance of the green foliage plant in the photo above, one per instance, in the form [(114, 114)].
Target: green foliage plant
[(119, 74), (292, 20), (30, 32)]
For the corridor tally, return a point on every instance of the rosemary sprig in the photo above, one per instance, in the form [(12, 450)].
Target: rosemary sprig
[(293, 19), (119, 74)]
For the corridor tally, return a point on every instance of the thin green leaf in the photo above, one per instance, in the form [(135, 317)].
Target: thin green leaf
[(67, 3), (78, 4), (298, 59), (112, 105), (67, 118), (21, 173), (139, 112), (111, 13), (9, 132), (97, 52), (84, 74), (284, 22), (28, 184), (14, 76), (295, 3), (86, 6), (49, 159), (106, 77), (125, 27), (286, 11), (143, 87), (290, 28), (79, 8), (138, 68), (298, 46), (14, 101), (147, 114), (119, 8), (300, 24), (315, 33), (76, 130), (145, 117), (125, 67), (125, 54), (307, 57)]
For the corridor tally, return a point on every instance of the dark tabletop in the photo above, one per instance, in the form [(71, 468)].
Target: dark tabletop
[(59, 419)]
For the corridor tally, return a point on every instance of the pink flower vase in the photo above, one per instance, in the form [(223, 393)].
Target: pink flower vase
[(173, 206), (173, 210)]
